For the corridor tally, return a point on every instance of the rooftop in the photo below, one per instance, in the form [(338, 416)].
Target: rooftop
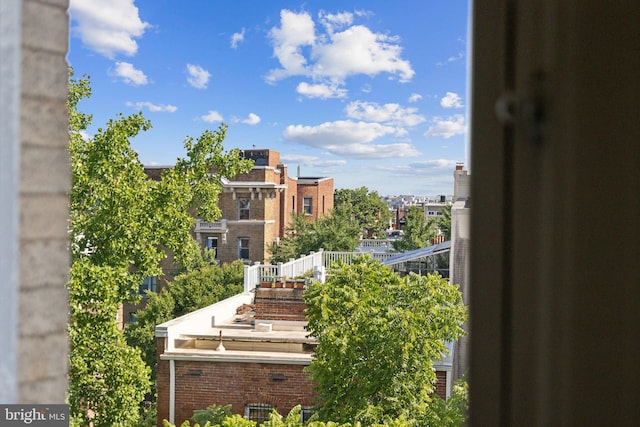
[(197, 335)]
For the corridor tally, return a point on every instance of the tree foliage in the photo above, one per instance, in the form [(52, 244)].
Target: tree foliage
[(364, 207), (330, 232), (378, 336), (188, 292), (121, 225), (440, 413), (418, 231), (443, 222)]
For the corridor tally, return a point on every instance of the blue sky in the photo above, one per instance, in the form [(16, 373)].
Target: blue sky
[(372, 93)]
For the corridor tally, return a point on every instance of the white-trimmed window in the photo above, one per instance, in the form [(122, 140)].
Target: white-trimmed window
[(307, 205), (243, 248), (258, 412), (148, 284), (211, 242), (244, 204)]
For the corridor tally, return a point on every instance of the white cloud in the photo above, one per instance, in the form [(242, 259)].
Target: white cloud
[(422, 168), (198, 76), (322, 91), (108, 28), (154, 108), (237, 38), (129, 74), (313, 161), (391, 114), (350, 139), (451, 100), (332, 21), (252, 119), (451, 59), (333, 56), (211, 116), (296, 30), (85, 136), (434, 164), (357, 50), (415, 97), (446, 127)]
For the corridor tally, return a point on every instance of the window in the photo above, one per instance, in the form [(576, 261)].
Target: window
[(323, 209), (243, 207), (307, 205), (258, 412), (306, 413), (211, 243), (132, 317), (148, 284), (243, 248), (293, 203)]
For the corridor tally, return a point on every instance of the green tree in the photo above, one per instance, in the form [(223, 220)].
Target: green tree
[(189, 291), (121, 226), (443, 222), (366, 208), (378, 336), (330, 232), (417, 231), (448, 413)]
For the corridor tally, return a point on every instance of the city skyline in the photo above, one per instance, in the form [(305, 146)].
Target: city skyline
[(370, 94)]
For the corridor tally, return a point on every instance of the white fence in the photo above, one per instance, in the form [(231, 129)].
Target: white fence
[(367, 245), (254, 274), (315, 262), (346, 257)]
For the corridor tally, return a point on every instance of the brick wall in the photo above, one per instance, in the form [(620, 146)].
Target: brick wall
[(199, 384), (162, 382), (441, 384), (321, 193), (325, 196), (279, 304), (43, 193)]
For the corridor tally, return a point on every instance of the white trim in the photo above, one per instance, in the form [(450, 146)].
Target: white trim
[(293, 359), (10, 42), (172, 391)]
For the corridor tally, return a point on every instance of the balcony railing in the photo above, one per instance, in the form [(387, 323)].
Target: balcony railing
[(205, 226), (254, 274), (320, 262)]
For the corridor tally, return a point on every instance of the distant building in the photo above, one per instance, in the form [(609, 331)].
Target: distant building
[(257, 207)]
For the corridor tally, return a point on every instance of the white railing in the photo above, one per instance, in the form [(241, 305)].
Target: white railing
[(254, 274), (220, 225), (316, 262), (346, 257), (367, 244)]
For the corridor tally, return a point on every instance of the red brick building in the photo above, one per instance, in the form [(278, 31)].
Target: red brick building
[(259, 367), (257, 207)]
